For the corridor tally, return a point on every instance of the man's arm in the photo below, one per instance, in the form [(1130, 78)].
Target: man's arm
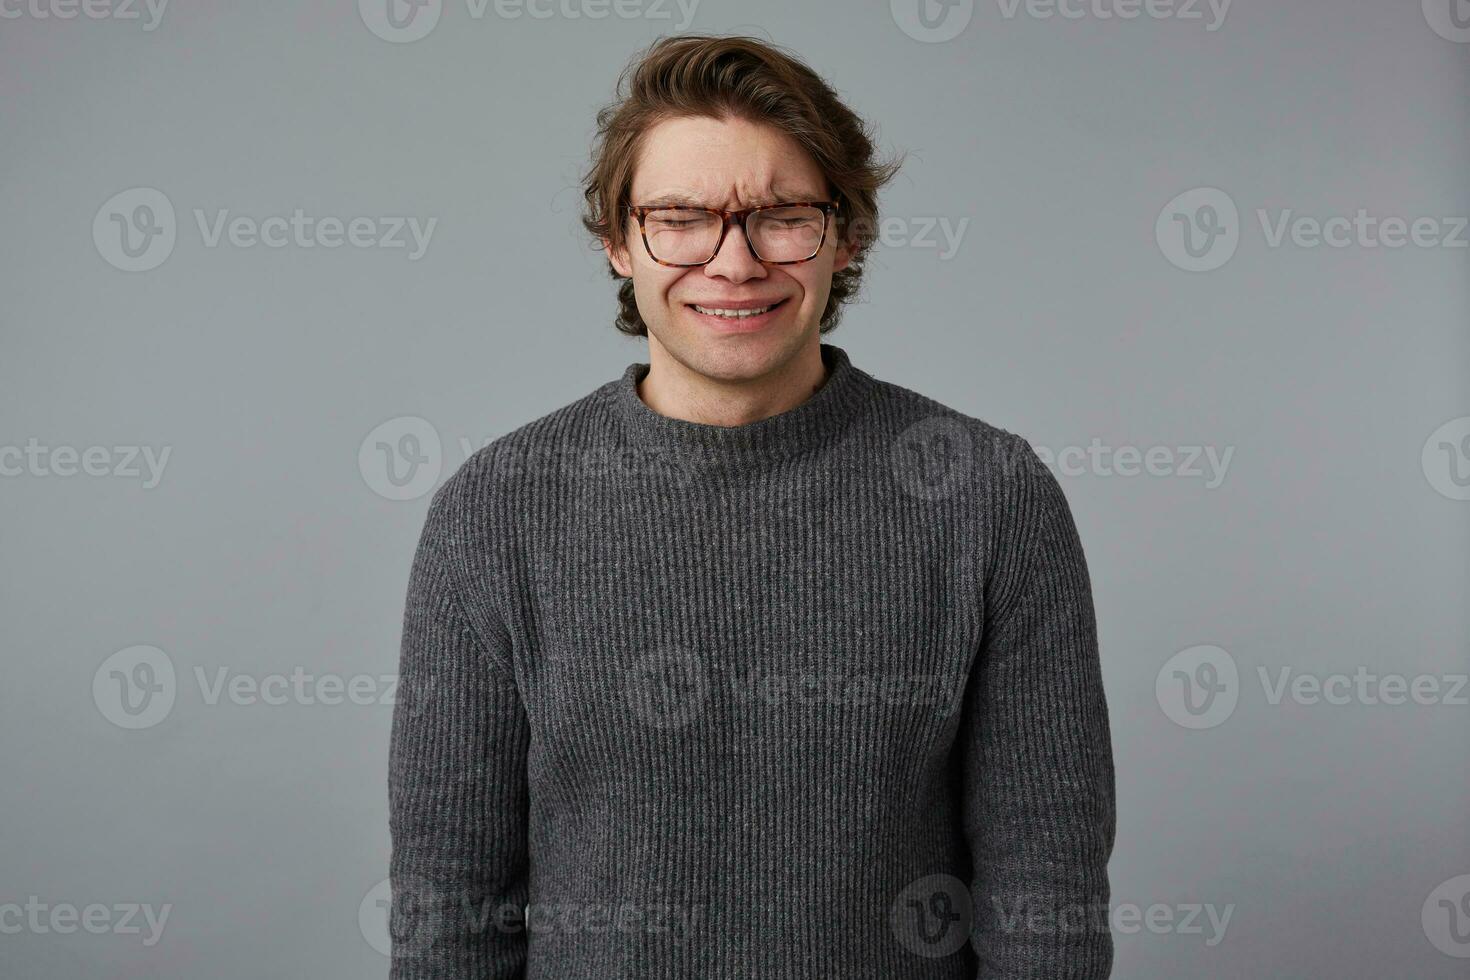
[(456, 780), (1038, 805)]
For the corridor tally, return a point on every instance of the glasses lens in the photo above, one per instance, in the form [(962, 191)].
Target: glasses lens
[(681, 236), (684, 236), (787, 234)]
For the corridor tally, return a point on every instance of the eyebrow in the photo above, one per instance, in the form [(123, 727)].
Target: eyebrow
[(676, 200)]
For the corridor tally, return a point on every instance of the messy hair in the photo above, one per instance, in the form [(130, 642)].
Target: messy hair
[(724, 77)]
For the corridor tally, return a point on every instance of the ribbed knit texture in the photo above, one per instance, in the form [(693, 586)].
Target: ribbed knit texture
[(769, 701)]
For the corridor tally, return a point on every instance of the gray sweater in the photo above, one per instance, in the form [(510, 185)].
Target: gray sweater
[(813, 697)]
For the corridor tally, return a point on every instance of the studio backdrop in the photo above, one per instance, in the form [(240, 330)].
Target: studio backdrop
[(270, 272)]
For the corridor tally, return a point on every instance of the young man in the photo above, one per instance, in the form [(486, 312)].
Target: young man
[(748, 664)]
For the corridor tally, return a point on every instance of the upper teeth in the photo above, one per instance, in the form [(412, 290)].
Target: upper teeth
[(734, 313)]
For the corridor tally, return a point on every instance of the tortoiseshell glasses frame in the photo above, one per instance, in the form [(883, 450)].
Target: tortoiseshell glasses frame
[(828, 208)]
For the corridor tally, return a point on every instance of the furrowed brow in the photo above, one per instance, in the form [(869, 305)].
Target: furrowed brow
[(685, 201), (672, 201)]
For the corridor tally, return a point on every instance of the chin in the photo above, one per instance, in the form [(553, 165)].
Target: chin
[(747, 356)]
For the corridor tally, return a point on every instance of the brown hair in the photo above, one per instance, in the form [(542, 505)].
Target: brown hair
[(741, 77)]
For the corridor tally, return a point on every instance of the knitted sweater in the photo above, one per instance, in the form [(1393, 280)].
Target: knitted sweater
[(813, 697)]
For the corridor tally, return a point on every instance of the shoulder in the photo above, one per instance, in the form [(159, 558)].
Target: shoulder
[(534, 451), (977, 472), (480, 504), (936, 442)]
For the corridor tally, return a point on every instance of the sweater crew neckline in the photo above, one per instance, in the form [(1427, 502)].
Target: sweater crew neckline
[(794, 432)]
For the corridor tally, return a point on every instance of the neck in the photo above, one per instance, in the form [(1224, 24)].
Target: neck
[(673, 389), (812, 422)]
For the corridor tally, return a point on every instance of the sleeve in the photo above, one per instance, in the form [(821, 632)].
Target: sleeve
[(457, 795), (1038, 803)]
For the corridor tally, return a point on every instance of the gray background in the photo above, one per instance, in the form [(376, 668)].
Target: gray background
[(267, 547)]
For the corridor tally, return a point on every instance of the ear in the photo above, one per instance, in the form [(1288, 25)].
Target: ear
[(619, 259), (843, 255)]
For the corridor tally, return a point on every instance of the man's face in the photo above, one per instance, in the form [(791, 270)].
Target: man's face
[(728, 164)]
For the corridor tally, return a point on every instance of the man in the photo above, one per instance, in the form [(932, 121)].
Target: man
[(748, 664)]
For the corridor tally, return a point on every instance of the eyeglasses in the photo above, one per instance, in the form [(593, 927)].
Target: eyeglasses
[(778, 234)]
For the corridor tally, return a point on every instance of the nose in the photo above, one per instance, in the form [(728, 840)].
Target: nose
[(734, 260)]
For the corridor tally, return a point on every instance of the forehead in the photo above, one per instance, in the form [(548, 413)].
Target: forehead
[(723, 162)]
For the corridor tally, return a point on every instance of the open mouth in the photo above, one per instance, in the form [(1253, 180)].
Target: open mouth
[(736, 315)]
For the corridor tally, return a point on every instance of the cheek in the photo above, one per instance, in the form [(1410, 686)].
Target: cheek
[(816, 279), (664, 281), (653, 283)]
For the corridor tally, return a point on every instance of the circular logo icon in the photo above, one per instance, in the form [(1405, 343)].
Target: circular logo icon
[(1446, 459), (932, 458), (667, 688), (402, 922), (1198, 687), (1446, 917), (402, 458), (134, 230), (932, 21), (1450, 19), (933, 916), (135, 687), (400, 21), (1199, 230)]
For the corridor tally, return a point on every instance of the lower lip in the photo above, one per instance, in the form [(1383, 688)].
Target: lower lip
[(742, 324)]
